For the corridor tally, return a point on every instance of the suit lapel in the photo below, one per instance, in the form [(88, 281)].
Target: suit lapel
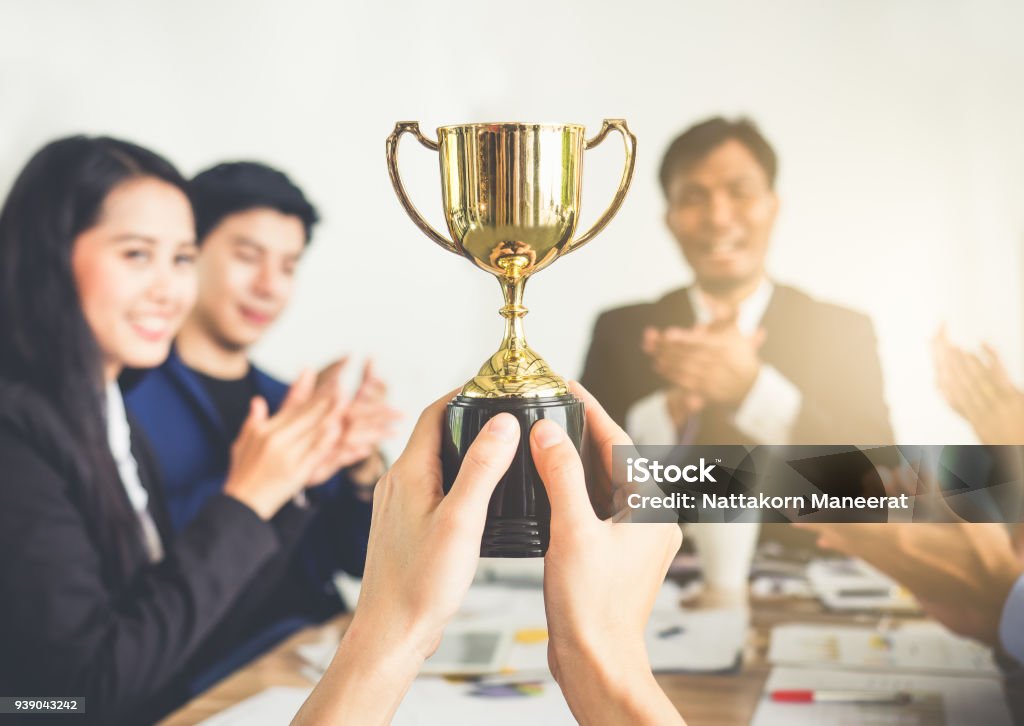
[(674, 309), (777, 350), (149, 476)]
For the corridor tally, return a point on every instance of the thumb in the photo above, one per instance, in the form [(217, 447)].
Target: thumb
[(258, 414), (300, 390), (485, 462), (561, 470)]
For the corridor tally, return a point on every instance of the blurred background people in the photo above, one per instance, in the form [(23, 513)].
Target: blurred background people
[(978, 387), (99, 596), (965, 575), (253, 226), (734, 358)]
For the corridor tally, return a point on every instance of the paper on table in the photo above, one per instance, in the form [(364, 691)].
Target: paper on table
[(429, 701), (964, 701), (696, 640), (432, 701), (272, 707), (677, 640), (922, 647), (850, 584)]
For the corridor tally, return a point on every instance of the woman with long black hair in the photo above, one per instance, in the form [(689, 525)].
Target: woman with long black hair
[(97, 598)]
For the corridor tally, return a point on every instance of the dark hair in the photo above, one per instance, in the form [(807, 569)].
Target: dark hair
[(239, 186), (700, 139), (47, 343)]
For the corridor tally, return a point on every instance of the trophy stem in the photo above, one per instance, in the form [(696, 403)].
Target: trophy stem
[(514, 371), (514, 339)]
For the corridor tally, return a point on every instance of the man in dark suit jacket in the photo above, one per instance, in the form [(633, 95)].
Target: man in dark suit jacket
[(734, 358)]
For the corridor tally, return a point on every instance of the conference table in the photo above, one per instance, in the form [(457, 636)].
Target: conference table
[(719, 699)]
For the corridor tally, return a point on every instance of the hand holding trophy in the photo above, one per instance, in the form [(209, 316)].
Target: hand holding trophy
[(511, 195)]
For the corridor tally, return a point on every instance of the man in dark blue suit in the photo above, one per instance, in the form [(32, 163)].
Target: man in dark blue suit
[(253, 225)]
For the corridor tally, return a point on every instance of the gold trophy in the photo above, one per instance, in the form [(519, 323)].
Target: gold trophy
[(511, 194)]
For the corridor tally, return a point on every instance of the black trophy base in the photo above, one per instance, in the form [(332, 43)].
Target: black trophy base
[(519, 514)]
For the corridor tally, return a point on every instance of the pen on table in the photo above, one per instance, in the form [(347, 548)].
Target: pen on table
[(866, 592), (512, 679), (896, 698)]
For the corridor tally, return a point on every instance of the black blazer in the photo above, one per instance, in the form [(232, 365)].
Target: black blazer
[(828, 352), (128, 645)]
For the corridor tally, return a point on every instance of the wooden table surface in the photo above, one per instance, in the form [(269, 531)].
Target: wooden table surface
[(702, 699)]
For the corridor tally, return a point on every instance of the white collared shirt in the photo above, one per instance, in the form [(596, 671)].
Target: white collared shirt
[(119, 437), (768, 411)]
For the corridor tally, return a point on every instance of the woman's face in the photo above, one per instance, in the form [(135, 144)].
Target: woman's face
[(135, 272)]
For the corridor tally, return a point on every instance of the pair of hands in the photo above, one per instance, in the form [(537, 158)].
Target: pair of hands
[(601, 577), (961, 572), (978, 388), (317, 430), (704, 364)]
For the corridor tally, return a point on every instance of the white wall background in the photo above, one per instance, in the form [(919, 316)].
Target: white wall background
[(899, 124)]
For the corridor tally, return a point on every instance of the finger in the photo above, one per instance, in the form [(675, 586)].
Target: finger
[(600, 428), (561, 470), (331, 376), (366, 381), (366, 414), (997, 370), (302, 420), (601, 435), (970, 398), (258, 413), (368, 369), (300, 390), (425, 442), (485, 462), (318, 457), (649, 342), (674, 334)]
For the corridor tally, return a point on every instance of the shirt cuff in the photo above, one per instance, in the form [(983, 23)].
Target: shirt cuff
[(770, 408), (648, 421), (1011, 625)]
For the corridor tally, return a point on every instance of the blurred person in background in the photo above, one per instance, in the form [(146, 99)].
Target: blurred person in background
[(253, 228), (99, 596), (967, 575), (735, 357), (978, 387)]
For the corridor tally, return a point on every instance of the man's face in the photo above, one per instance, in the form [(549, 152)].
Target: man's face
[(721, 211), (246, 274)]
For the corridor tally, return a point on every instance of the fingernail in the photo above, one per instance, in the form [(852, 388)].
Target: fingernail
[(503, 427), (548, 435)]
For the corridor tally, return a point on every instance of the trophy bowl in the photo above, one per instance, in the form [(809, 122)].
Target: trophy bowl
[(511, 199)]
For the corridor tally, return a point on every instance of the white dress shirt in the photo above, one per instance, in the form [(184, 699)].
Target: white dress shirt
[(768, 411), (119, 436), (1011, 625)]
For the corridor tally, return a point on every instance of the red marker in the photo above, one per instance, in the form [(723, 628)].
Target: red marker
[(895, 698)]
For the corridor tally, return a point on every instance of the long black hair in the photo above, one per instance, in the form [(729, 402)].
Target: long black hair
[(47, 343)]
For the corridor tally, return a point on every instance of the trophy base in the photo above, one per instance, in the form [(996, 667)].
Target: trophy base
[(519, 514)]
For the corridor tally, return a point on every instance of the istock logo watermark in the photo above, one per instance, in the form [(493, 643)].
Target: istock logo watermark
[(696, 483), (642, 470)]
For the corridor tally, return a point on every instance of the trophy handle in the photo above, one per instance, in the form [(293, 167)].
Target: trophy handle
[(629, 141), (413, 127)]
